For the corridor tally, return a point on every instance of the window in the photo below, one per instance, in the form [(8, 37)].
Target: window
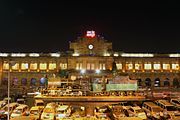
[(166, 66), (33, 66), (102, 66), (43, 66), (63, 65), (157, 66), (175, 66), (129, 66), (52, 66), (147, 66), (5, 66), (90, 66), (119, 66), (24, 66), (16, 66), (78, 66), (137, 66)]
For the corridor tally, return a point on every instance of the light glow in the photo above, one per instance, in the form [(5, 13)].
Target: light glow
[(4, 54), (55, 54), (75, 54), (18, 55), (83, 71), (136, 55), (90, 34), (174, 55), (116, 54), (98, 71), (106, 54), (34, 55)]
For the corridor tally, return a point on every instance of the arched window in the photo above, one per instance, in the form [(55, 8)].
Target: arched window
[(148, 82), (157, 82), (176, 83), (15, 81), (24, 81), (43, 81), (139, 82), (166, 82), (4, 81), (33, 81)]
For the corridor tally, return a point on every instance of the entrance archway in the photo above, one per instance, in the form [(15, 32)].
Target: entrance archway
[(157, 82), (33, 82), (176, 83), (24, 81), (15, 81), (4, 81), (148, 82), (166, 82), (43, 81)]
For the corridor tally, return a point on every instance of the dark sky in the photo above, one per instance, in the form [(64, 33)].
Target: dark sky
[(44, 26)]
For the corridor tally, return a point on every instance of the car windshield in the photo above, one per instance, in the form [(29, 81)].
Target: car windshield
[(170, 108), (48, 110), (40, 104), (157, 109), (6, 108), (139, 111), (17, 111), (34, 112)]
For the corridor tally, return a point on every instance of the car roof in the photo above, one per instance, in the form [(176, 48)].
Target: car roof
[(34, 108), (21, 106), (62, 107), (12, 104), (136, 108), (151, 104)]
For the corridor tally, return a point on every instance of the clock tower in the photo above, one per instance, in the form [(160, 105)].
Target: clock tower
[(91, 44)]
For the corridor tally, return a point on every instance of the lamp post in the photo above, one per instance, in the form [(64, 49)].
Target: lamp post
[(11, 63)]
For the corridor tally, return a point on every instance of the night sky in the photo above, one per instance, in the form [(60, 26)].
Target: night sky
[(44, 26)]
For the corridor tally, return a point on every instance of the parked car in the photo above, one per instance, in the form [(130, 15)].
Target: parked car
[(35, 113), (136, 112), (176, 103), (152, 110), (21, 110)]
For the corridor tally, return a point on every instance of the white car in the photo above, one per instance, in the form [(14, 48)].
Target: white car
[(136, 112), (21, 110)]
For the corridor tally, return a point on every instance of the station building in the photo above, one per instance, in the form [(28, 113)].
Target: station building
[(90, 56)]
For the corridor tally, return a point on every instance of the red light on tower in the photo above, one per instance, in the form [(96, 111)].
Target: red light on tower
[(90, 34)]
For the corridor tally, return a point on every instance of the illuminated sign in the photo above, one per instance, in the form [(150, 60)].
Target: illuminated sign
[(90, 34)]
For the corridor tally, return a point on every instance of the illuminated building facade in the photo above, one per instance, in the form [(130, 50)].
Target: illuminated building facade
[(89, 56)]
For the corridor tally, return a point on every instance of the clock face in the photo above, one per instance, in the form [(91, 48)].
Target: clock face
[(90, 47)]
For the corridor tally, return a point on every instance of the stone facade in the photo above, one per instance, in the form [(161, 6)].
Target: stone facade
[(90, 54)]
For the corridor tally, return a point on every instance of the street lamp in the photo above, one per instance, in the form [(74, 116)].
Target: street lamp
[(11, 63)]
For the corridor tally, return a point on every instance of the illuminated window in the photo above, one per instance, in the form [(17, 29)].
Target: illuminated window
[(166, 66), (119, 66), (147, 66), (78, 66), (42, 66), (137, 66), (5, 66), (16, 66), (129, 66), (102, 66), (175, 66), (52, 66), (63, 65), (33, 66), (88, 66), (157, 66), (92, 66), (24, 66)]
